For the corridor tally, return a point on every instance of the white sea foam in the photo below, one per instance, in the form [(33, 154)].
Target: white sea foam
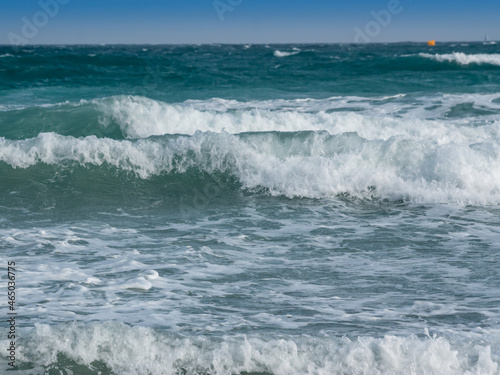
[(140, 117), (139, 350), (6, 55), (18, 107), (465, 59), (383, 149), (434, 163), (279, 53)]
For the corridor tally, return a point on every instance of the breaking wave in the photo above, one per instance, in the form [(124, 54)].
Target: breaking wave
[(462, 168), (465, 59), (279, 53), (116, 348)]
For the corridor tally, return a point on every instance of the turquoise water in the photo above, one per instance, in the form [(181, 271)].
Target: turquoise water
[(252, 209)]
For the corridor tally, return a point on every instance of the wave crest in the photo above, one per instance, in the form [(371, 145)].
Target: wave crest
[(139, 350), (465, 59), (141, 117), (279, 53), (302, 164)]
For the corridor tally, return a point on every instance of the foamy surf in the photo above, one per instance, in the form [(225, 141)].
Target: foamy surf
[(223, 210), (279, 53), (459, 169), (121, 349), (465, 59), (141, 117), (372, 118)]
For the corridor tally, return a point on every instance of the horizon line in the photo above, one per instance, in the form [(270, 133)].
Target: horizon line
[(239, 43)]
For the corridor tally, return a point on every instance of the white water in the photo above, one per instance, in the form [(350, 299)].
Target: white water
[(401, 149), (142, 351), (465, 59), (433, 164), (380, 118), (387, 147), (279, 53)]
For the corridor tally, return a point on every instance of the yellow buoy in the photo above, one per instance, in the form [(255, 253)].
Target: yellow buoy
[(431, 43)]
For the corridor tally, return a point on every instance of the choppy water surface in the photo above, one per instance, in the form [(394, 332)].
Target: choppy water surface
[(282, 209)]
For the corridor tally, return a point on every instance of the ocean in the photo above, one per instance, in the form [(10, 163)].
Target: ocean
[(250, 209)]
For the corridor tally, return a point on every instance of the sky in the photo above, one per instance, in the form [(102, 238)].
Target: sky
[(245, 21)]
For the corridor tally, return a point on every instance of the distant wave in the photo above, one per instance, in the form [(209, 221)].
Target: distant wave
[(6, 55), (464, 59), (279, 53)]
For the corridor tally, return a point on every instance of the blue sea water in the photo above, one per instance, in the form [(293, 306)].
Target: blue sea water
[(252, 209)]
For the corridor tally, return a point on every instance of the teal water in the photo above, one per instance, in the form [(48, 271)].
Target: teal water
[(252, 209)]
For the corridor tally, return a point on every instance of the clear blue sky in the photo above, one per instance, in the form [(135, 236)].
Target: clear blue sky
[(248, 21)]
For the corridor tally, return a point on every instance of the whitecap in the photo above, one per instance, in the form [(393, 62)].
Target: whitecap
[(279, 53), (139, 350), (465, 59), (428, 162)]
